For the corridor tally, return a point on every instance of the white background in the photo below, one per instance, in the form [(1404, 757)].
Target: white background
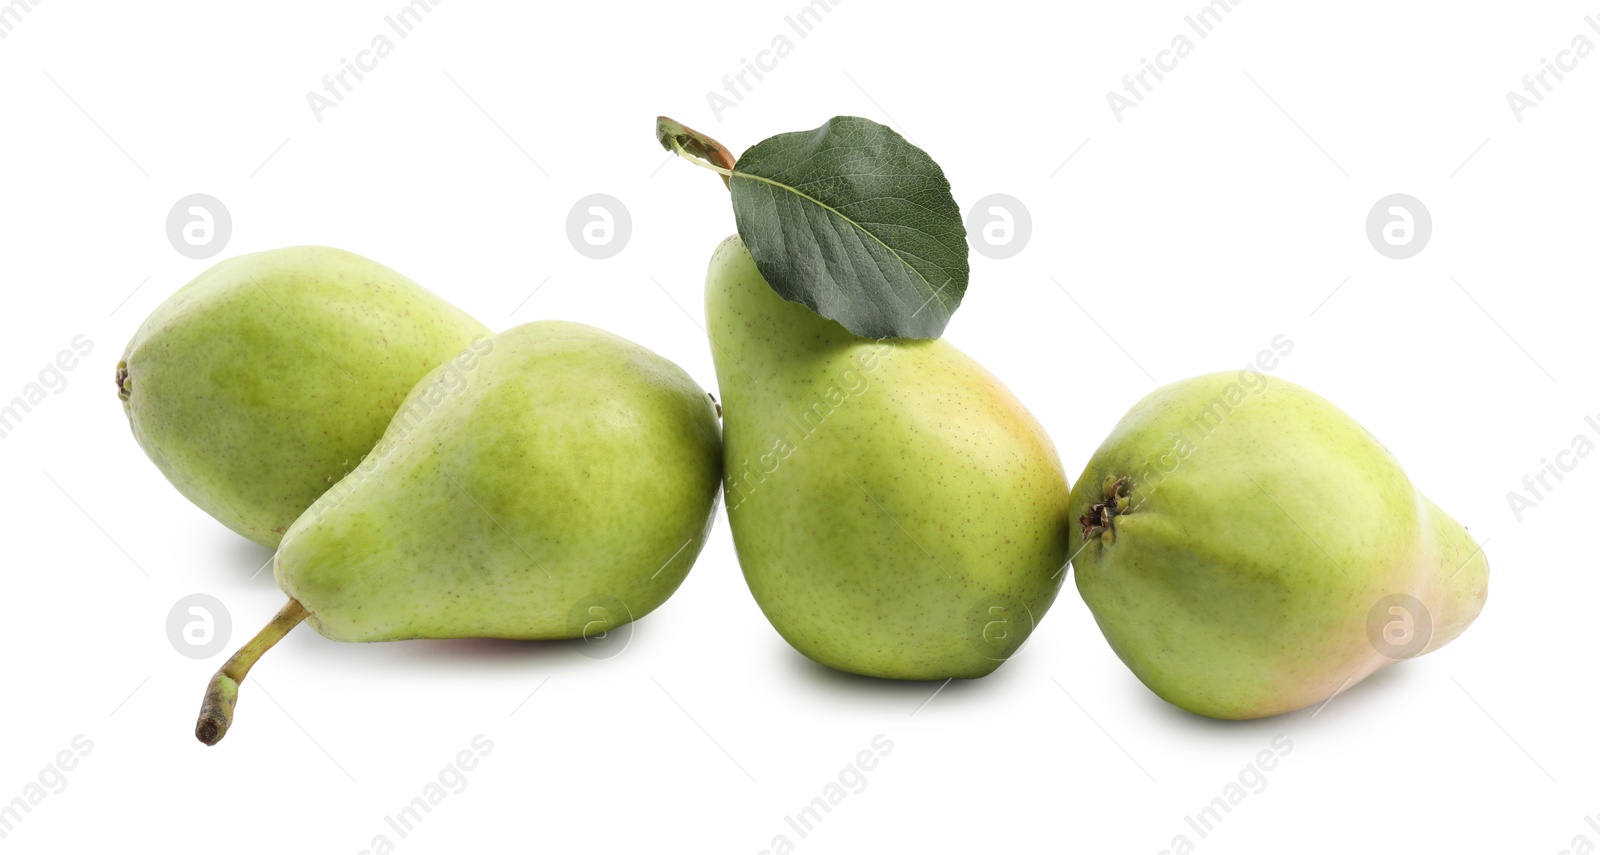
[(1221, 212)]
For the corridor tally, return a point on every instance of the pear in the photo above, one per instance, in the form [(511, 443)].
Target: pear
[(554, 482), (1248, 549), (261, 383), (896, 511)]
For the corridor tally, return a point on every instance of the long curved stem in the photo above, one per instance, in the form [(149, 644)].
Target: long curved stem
[(216, 710)]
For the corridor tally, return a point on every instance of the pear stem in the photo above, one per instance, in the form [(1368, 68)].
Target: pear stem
[(695, 147), (216, 710), (724, 171)]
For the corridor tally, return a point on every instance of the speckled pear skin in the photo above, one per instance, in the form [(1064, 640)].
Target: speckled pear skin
[(262, 382), (1261, 529), (557, 481), (896, 511)]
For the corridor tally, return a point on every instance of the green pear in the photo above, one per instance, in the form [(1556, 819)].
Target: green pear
[(556, 481), (262, 382), (1248, 549), (896, 511)]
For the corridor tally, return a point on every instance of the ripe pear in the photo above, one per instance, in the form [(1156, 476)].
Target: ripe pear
[(896, 511), (556, 481), (1248, 549), (261, 383)]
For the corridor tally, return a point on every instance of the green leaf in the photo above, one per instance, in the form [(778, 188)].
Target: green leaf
[(857, 223)]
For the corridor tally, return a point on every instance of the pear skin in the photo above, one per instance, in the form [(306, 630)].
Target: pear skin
[(555, 481), (896, 511), (1459, 585), (265, 380), (1248, 549), (554, 476)]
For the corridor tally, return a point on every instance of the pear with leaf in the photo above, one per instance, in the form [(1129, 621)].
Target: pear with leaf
[(897, 512)]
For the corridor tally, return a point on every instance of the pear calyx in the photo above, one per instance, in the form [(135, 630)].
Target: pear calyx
[(1097, 522), (122, 380)]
